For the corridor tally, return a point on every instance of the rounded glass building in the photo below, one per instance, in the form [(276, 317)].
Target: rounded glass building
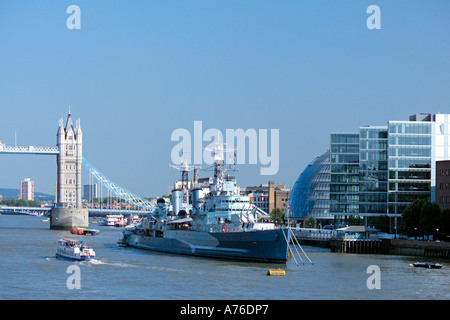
[(310, 196)]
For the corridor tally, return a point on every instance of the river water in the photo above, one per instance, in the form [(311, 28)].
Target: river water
[(29, 270)]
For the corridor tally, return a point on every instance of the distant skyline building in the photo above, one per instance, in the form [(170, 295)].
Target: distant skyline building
[(26, 189), (90, 191)]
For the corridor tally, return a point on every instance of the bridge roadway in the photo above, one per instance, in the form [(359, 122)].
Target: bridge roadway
[(37, 211), (29, 149)]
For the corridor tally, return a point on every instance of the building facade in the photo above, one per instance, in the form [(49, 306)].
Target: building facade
[(268, 196), (373, 171), (310, 196), (410, 163), (344, 174), (26, 189), (377, 171), (443, 184), (396, 165)]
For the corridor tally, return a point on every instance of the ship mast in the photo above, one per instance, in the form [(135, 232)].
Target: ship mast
[(220, 167), (184, 167)]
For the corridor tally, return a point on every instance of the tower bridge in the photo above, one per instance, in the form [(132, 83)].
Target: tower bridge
[(68, 211)]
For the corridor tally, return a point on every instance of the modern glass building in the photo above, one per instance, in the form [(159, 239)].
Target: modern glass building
[(344, 174), (396, 165), (410, 159), (373, 170), (310, 196)]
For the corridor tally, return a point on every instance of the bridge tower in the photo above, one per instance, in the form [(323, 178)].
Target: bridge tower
[(69, 212), (69, 140)]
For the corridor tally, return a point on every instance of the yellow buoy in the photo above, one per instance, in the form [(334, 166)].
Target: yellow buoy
[(276, 272)]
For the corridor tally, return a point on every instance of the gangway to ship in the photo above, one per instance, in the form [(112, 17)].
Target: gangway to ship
[(295, 242)]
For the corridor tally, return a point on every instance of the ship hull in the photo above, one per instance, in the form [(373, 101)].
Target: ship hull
[(69, 257), (261, 245)]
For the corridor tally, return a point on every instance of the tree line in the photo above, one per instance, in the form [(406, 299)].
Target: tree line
[(424, 218), (20, 203)]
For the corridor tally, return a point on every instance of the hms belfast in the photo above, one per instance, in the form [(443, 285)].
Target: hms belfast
[(210, 220)]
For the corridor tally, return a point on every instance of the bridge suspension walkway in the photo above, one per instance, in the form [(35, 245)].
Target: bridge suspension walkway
[(117, 190)]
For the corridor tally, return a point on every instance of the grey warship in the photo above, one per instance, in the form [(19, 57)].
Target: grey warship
[(217, 222)]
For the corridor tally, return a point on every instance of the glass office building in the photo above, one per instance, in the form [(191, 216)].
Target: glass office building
[(410, 159), (344, 174), (377, 171), (310, 196), (373, 171)]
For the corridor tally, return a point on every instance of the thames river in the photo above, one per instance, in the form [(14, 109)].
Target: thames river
[(29, 270)]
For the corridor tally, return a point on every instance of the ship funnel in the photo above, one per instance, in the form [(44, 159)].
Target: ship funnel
[(195, 196)]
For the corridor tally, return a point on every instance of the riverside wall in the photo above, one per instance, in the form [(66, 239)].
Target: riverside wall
[(416, 248), (419, 248)]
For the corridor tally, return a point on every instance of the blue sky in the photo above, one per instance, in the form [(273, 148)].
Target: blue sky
[(138, 70)]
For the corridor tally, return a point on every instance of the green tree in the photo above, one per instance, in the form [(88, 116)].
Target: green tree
[(444, 222), (410, 222), (429, 218), (310, 222), (277, 215), (381, 223), (422, 217), (20, 203)]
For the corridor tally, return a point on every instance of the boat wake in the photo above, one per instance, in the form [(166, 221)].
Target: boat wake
[(95, 262)]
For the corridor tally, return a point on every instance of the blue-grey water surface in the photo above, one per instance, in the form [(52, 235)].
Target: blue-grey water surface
[(29, 270)]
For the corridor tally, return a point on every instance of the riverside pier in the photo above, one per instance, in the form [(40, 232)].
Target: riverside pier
[(362, 240)]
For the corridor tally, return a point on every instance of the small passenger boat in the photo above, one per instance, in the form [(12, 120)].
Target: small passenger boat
[(74, 249), (113, 220), (426, 265)]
